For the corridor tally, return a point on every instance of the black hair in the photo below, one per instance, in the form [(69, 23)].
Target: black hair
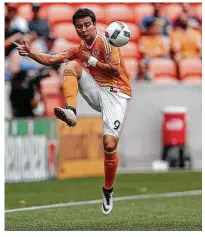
[(83, 12)]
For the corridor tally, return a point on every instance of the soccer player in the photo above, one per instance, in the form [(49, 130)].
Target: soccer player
[(97, 70)]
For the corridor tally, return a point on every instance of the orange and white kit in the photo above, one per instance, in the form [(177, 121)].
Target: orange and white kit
[(104, 92)]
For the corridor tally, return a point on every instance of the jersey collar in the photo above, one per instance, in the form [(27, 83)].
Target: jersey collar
[(89, 47)]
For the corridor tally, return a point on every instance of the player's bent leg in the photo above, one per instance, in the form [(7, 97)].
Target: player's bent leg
[(71, 74), (89, 90), (111, 161)]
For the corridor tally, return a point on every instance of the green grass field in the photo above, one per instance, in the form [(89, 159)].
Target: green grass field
[(162, 213)]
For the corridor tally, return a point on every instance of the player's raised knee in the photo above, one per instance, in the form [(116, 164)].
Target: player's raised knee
[(73, 68), (110, 143)]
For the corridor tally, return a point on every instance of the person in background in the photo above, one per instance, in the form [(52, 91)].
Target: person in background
[(163, 24), (143, 73), (187, 9), (186, 40), (37, 24), (22, 96), (11, 33), (18, 63), (17, 22), (15, 29), (152, 44)]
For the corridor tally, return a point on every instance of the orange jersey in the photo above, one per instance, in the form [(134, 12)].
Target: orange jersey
[(152, 46), (188, 42), (106, 53)]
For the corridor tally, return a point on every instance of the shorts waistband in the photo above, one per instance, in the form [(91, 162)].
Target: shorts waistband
[(117, 91)]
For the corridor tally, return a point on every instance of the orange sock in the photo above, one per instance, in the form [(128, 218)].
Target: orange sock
[(110, 166), (70, 89)]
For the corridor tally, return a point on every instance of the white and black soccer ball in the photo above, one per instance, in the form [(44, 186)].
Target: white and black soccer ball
[(118, 34)]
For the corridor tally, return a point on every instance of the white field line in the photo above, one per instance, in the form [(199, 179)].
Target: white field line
[(125, 198)]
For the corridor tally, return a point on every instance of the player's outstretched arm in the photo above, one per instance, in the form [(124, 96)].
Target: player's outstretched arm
[(42, 58)]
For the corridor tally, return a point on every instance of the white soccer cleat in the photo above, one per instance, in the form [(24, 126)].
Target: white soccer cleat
[(107, 202), (66, 115)]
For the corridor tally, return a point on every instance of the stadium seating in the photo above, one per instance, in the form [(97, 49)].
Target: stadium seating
[(163, 67), (50, 85), (43, 4), (25, 11), (43, 12), (60, 17), (101, 27), (97, 9), (51, 101), (135, 31), (165, 79), (131, 64), (142, 10), (190, 67), (196, 11), (171, 11), (77, 5), (66, 31), (130, 50), (51, 94), (192, 80), (61, 45), (119, 12), (60, 13)]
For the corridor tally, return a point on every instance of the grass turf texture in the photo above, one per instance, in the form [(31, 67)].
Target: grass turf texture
[(173, 213)]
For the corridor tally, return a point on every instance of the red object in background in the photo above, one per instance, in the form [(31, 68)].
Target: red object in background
[(174, 126), (52, 154)]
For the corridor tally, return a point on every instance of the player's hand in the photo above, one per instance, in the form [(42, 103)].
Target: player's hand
[(85, 55), (24, 49)]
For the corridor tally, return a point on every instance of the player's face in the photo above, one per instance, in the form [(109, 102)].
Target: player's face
[(85, 28)]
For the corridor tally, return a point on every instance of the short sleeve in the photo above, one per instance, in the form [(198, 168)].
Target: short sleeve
[(114, 55), (110, 53), (69, 54)]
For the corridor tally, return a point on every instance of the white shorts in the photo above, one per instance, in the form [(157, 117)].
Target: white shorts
[(112, 105)]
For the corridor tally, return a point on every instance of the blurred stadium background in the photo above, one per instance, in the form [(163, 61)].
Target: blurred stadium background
[(163, 130)]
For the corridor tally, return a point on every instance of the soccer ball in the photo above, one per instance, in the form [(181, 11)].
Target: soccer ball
[(118, 34)]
